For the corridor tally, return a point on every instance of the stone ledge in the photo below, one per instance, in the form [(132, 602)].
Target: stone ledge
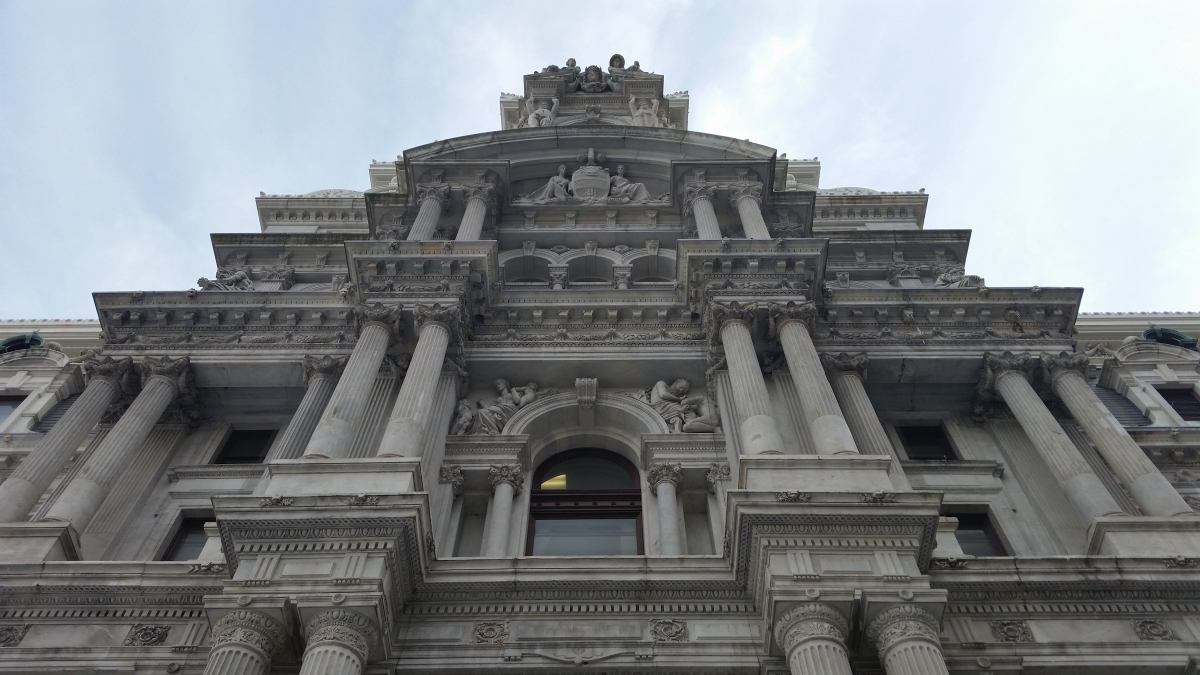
[(38, 542), (1144, 536)]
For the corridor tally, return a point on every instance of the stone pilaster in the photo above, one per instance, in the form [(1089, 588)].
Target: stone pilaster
[(1151, 490), (33, 477), (478, 199), (434, 199), (664, 479), (747, 198), (244, 643), (343, 414), (823, 418), (1009, 375), (906, 637), (698, 201), (436, 327), (813, 636), (759, 433), (506, 480), (339, 643), (163, 378), (321, 374), (847, 374)]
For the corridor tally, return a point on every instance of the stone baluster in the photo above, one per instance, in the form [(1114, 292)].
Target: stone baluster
[(339, 643), (747, 198), (163, 378), (321, 374), (244, 643), (813, 636), (434, 200), (404, 434), (506, 480), (1009, 375), (906, 637), (698, 201), (34, 475), (664, 479), (478, 198), (822, 416), (847, 374), (758, 431), (1152, 492), (344, 413)]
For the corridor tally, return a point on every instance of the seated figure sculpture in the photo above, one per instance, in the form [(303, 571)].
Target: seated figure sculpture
[(622, 187), (558, 188)]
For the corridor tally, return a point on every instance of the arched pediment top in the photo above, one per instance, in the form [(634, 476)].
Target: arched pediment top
[(1147, 350), (34, 358), (631, 416)]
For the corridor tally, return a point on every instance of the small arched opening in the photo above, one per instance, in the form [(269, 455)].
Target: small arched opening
[(585, 502)]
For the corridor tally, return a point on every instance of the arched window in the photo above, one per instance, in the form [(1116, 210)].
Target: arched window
[(585, 502)]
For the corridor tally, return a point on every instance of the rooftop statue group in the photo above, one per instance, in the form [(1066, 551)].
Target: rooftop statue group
[(592, 80), (592, 183)]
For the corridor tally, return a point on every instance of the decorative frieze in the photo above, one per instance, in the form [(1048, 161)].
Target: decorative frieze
[(669, 630), (146, 635), (490, 632), (11, 636), (1012, 630)]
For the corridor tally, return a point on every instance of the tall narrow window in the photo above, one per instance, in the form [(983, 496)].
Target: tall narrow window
[(585, 502), (189, 540), (246, 446), (1184, 402), (926, 442), (977, 536), (8, 405)]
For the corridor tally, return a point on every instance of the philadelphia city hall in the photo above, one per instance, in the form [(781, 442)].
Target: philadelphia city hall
[(599, 394)]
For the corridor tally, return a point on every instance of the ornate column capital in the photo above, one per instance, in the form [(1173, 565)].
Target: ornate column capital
[(106, 367), (439, 192), (781, 314), (996, 365), (452, 475), (252, 629), (664, 472), (450, 317), (845, 363), (722, 313), (175, 370), (386, 316), (740, 191), (485, 192), (323, 365), (512, 474), (694, 191), (1065, 362), (808, 621), (900, 624), (344, 628)]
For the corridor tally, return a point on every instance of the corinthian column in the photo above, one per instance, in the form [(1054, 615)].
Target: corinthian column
[(478, 198), (320, 377), (1151, 490), (746, 198), (847, 374), (828, 429), (243, 643), (1009, 374), (434, 199), (664, 479), (758, 431), (33, 477), (907, 639), (162, 379), (814, 638), (404, 434), (697, 200), (506, 480), (339, 643), (348, 403)]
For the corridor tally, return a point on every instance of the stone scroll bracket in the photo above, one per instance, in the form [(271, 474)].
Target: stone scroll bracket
[(586, 388)]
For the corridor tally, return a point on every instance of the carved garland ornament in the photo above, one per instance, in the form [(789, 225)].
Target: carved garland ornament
[(11, 636), (902, 623), (1015, 630), (253, 629), (809, 621), (490, 632), (669, 630), (1154, 630), (343, 628), (146, 635)]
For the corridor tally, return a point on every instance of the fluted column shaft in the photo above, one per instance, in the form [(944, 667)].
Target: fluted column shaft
[(906, 637), (1151, 490), (826, 426), (339, 643), (759, 433), (506, 481), (86, 492), (864, 423), (752, 219), (404, 434), (233, 658), (33, 477), (330, 658), (300, 430), (1081, 486), (471, 226), (664, 478), (243, 643), (814, 638), (433, 199), (707, 226), (348, 403)]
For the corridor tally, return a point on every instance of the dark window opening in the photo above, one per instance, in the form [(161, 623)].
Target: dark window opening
[(585, 502), (189, 540), (977, 536), (8, 405), (246, 446), (1184, 402), (926, 442)]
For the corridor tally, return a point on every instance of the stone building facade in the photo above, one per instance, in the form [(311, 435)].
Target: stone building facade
[(596, 393)]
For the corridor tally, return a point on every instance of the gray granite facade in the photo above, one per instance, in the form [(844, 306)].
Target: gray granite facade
[(848, 455)]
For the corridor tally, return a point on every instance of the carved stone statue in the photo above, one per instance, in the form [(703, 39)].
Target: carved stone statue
[(622, 187), (594, 80), (559, 188), (644, 112), (464, 419), (227, 280), (569, 74), (616, 68), (682, 413), (542, 115), (703, 417), (491, 418), (954, 278), (590, 181)]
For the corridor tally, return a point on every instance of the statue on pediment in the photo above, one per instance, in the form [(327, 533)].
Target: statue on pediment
[(590, 181), (227, 280), (623, 188), (644, 112), (568, 73), (542, 115), (594, 80), (558, 189)]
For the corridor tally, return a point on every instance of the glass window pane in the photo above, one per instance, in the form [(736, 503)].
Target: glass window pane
[(587, 473), (189, 541), (246, 446), (585, 536), (926, 442), (8, 404), (976, 537)]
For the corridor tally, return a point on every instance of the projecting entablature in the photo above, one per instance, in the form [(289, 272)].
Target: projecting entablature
[(904, 259), (866, 209), (278, 262), (323, 211)]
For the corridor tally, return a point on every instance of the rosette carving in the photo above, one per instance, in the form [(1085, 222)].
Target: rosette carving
[(902, 623), (253, 629), (507, 473), (344, 628), (669, 630), (809, 621), (664, 472), (146, 635)]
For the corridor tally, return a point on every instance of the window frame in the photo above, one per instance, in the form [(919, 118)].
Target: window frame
[(174, 542), (1171, 394), (952, 456), (274, 436), (623, 503), (989, 529)]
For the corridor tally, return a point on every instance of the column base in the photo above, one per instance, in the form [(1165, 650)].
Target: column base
[(814, 473), (1145, 537), (371, 475), (42, 541)]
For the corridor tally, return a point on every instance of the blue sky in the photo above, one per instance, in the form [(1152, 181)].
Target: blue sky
[(1065, 134)]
